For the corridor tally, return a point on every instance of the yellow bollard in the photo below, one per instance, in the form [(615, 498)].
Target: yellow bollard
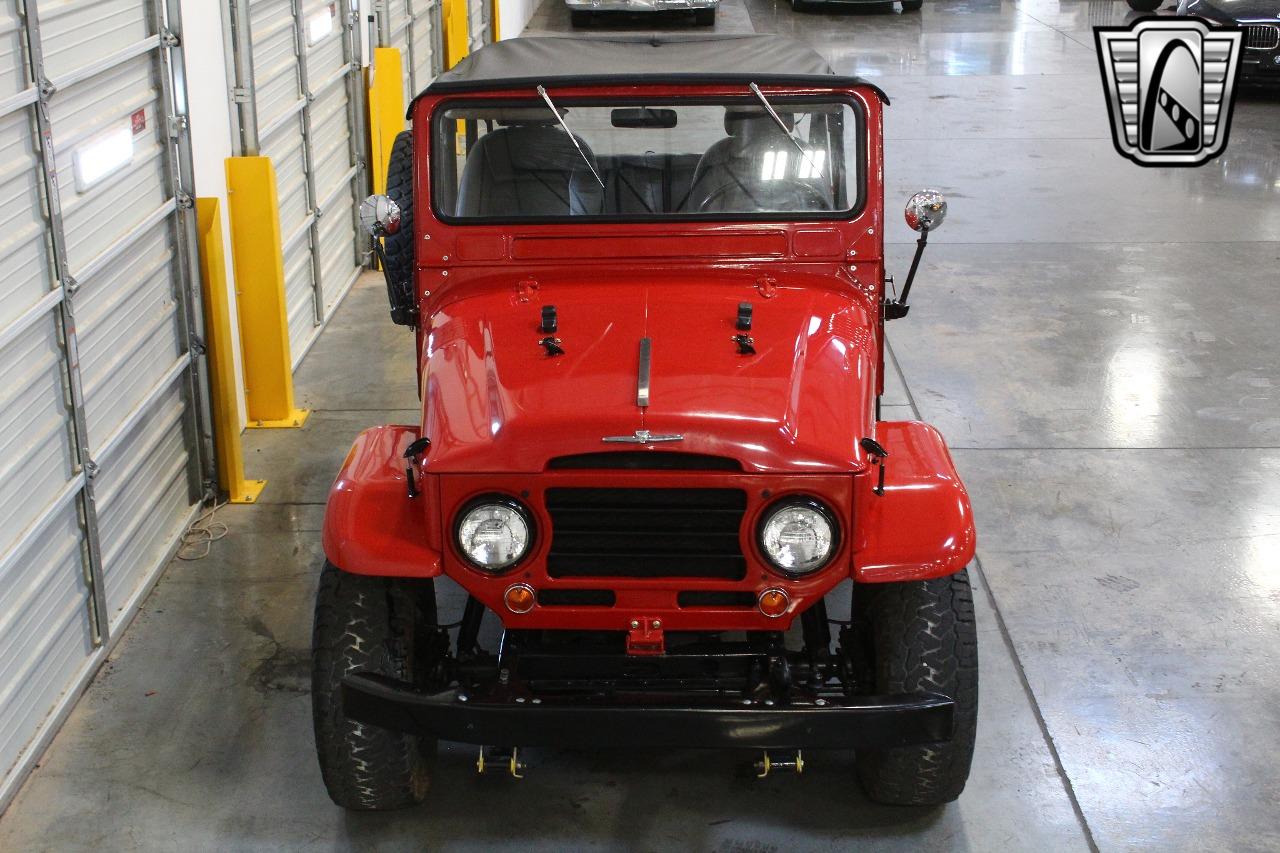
[(217, 323), (386, 111), (454, 14), (257, 253)]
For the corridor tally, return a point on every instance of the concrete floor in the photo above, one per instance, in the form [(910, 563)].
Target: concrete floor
[(1097, 342)]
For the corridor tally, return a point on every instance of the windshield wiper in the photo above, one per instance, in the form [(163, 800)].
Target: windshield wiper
[(556, 112), (782, 125)]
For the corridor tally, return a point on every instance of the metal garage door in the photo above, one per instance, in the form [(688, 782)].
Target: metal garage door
[(301, 107), (102, 443), (414, 27), (479, 33)]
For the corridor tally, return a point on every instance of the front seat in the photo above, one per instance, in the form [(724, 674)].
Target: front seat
[(731, 176), (528, 171)]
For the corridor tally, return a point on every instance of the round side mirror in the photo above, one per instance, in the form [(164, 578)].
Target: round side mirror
[(380, 216), (926, 210)]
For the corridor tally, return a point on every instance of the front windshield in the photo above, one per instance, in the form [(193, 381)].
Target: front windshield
[(725, 160)]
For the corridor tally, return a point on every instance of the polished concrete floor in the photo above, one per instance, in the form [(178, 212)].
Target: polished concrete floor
[(1099, 344)]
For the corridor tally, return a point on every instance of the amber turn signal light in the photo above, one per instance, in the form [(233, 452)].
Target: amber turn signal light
[(774, 603), (520, 598)]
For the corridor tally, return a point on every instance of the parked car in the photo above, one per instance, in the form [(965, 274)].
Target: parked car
[(647, 281), (1260, 20), (907, 5), (582, 12)]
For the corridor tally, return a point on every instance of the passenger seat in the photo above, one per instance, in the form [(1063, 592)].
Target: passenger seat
[(527, 171)]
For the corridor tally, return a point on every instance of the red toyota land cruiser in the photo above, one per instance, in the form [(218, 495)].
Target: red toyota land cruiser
[(647, 282)]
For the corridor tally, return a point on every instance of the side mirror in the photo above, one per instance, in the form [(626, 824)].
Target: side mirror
[(380, 216), (926, 210)]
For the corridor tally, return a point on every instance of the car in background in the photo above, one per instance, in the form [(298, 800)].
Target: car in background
[(907, 5), (582, 12), (1145, 5), (1260, 20)]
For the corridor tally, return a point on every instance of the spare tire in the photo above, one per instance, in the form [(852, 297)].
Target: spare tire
[(399, 247)]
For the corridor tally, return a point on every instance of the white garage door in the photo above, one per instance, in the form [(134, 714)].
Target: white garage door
[(102, 442), (479, 33), (303, 93), (413, 26)]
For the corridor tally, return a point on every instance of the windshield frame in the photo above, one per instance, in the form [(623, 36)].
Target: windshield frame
[(860, 157)]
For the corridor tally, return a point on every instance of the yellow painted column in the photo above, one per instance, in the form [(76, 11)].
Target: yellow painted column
[(217, 324), (386, 110), (495, 21), (258, 255), (455, 31)]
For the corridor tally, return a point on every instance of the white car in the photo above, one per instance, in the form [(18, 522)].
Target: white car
[(582, 11)]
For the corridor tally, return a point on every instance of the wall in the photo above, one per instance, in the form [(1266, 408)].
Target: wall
[(513, 15), (211, 142)]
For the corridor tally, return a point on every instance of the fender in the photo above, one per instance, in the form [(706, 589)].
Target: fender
[(371, 525), (922, 526)]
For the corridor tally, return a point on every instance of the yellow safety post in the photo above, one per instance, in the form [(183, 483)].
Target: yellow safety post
[(217, 324), (386, 110), (258, 255), (495, 31), (455, 31)]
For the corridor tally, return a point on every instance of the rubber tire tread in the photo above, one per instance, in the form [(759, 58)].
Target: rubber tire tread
[(399, 247), (365, 623), (925, 639)]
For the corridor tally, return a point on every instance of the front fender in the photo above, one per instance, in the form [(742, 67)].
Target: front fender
[(922, 526), (371, 525)]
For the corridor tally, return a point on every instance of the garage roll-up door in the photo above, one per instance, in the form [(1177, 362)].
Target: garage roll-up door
[(479, 32), (414, 27), (103, 448), (301, 109)]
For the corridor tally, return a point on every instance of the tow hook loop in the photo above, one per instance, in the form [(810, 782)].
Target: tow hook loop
[(494, 759), (552, 346), (766, 764), (877, 452), (646, 637), (411, 453)]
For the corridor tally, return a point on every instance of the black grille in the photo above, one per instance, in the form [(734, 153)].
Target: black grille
[(1262, 36), (646, 533)]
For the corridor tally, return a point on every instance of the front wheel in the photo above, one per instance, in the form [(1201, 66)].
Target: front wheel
[(912, 5), (1145, 5), (704, 17), (921, 637), (579, 18), (369, 624)]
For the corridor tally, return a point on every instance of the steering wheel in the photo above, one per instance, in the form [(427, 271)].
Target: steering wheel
[(785, 195)]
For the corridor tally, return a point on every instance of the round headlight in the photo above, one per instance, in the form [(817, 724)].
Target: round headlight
[(798, 536), (494, 534)]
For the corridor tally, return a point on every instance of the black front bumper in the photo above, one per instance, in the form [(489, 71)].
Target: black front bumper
[(664, 722)]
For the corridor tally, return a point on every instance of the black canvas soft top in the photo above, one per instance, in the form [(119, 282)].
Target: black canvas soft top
[(620, 60)]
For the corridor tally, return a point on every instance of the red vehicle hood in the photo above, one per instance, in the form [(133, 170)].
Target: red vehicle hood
[(495, 401)]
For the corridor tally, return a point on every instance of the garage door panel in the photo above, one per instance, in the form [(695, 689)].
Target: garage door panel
[(78, 33), (330, 142), (284, 147), (143, 498), (35, 441), (13, 72), (299, 285), (45, 636), (337, 255), (275, 59), (23, 255), (425, 59)]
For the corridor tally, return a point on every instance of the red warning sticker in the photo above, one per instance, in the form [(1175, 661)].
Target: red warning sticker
[(139, 120)]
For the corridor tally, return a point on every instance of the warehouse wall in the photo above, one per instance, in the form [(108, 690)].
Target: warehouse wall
[(513, 15), (211, 128)]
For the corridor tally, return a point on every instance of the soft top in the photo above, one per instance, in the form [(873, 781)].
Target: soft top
[(612, 60)]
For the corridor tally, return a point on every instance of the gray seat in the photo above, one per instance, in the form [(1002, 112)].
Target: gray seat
[(528, 171)]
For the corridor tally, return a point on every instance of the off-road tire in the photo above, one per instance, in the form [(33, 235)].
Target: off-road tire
[(400, 245), (367, 623), (912, 5), (923, 638), (580, 18), (704, 17)]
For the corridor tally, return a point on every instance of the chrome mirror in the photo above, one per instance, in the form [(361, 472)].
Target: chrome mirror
[(380, 216), (926, 210)]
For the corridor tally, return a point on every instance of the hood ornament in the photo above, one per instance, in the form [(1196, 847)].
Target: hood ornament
[(642, 436)]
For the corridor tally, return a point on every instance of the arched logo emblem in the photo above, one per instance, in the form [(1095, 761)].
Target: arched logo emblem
[(1169, 85)]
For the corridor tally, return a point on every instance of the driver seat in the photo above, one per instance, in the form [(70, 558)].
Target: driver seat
[(527, 170)]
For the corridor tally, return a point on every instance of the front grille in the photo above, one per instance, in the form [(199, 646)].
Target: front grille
[(1262, 36), (646, 533)]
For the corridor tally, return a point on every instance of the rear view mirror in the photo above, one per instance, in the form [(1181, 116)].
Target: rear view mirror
[(643, 117)]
